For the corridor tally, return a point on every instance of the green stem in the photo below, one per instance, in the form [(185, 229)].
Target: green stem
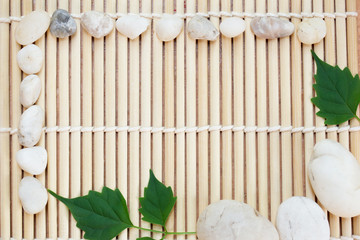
[(357, 118), (181, 233), (148, 229), (166, 232)]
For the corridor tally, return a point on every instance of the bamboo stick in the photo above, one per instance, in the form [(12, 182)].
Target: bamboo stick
[(250, 150), (202, 91), (169, 103), (5, 122), (226, 113), (341, 54), (28, 219), (40, 218), (122, 108), (238, 105), (215, 182), (274, 138), (86, 107), (307, 68), (297, 106), (63, 121), (330, 57), (352, 52), (134, 121), (51, 138), (110, 103), (180, 122), (191, 168), (261, 110), (145, 108), (15, 109), (98, 104), (285, 112), (75, 112), (157, 100)]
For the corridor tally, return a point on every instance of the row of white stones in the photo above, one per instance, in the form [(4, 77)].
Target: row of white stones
[(214, 14), (208, 128)]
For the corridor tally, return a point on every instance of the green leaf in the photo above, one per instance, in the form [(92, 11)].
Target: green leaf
[(100, 215), (157, 202), (145, 238), (338, 93)]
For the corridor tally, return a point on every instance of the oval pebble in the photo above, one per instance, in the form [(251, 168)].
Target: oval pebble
[(33, 195), (30, 59), (311, 30), (169, 27), (233, 220), (132, 26), (32, 27), (201, 28), (30, 126), (334, 174), (300, 218), (232, 27), (97, 24), (271, 27), (62, 24), (32, 160), (30, 89)]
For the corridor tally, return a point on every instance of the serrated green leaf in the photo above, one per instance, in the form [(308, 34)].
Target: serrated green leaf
[(157, 202), (145, 238), (100, 215), (338, 92)]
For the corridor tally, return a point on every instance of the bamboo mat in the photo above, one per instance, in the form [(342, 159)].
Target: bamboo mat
[(229, 119)]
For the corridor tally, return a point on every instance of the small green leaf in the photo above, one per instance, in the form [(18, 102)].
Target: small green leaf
[(145, 238), (338, 92), (157, 202), (100, 215)]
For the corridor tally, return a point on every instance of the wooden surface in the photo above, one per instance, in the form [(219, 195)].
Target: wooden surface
[(113, 81)]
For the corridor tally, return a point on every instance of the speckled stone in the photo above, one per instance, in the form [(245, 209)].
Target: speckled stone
[(271, 27), (201, 28), (62, 24), (97, 24)]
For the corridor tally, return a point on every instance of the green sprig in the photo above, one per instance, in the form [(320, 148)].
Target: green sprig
[(105, 215)]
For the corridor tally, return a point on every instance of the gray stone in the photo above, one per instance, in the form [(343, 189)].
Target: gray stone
[(62, 24)]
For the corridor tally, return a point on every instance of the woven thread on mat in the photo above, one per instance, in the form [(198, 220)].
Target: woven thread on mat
[(245, 129), (216, 14)]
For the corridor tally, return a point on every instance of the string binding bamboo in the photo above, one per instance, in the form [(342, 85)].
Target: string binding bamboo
[(245, 129), (214, 14)]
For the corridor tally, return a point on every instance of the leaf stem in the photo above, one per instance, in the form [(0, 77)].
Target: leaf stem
[(357, 118), (148, 229), (167, 233), (181, 233)]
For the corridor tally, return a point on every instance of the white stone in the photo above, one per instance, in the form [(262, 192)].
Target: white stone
[(30, 89), (32, 160), (97, 24), (169, 27), (30, 59), (300, 218), (33, 195), (30, 126), (334, 174), (311, 30), (271, 27), (233, 220), (132, 26), (201, 28), (232, 27), (32, 27)]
